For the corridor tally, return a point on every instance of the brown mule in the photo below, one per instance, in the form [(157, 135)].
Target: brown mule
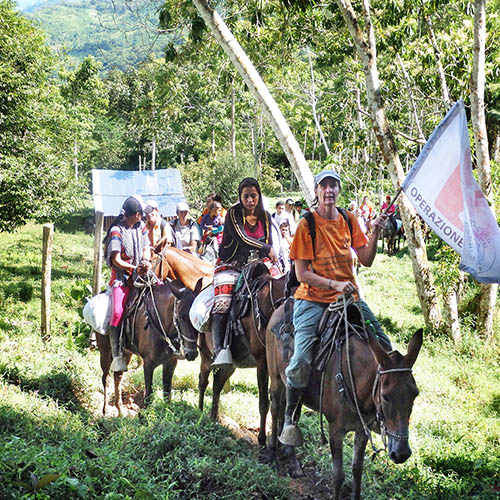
[(268, 298), (156, 339), (385, 391)]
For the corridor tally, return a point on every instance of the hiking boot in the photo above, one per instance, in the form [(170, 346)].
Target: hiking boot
[(222, 354), (291, 435), (119, 363)]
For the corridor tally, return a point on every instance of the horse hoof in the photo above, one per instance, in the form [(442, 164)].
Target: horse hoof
[(295, 470), (267, 456), (291, 436)]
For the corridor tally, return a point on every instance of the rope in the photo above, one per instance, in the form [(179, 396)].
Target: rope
[(147, 281), (257, 329)]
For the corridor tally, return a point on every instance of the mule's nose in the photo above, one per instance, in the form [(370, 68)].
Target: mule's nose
[(400, 454), (191, 355)]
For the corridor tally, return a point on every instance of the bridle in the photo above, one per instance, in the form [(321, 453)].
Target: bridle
[(384, 432)]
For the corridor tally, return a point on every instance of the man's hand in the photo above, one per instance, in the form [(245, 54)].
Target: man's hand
[(143, 267), (380, 222), (272, 255), (344, 287)]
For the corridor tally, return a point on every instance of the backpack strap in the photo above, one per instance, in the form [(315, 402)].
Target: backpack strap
[(344, 214), (309, 217)]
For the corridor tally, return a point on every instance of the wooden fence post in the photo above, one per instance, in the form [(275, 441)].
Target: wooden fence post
[(96, 274), (48, 236)]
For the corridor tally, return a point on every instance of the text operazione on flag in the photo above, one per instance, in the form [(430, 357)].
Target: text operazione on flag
[(435, 220)]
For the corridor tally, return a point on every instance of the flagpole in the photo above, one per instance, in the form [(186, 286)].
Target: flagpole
[(396, 196)]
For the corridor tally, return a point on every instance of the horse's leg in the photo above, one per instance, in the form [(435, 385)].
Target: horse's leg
[(263, 384), (221, 375), (336, 448), (148, 369), (204, 371), (360, 440), (105, 361), (117, 377), (168, 373)]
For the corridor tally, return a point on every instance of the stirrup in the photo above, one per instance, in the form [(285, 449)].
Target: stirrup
[(291, 435), (119, 364), (224, 358)]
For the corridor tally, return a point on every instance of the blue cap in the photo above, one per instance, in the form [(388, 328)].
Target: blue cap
[(325, 174)]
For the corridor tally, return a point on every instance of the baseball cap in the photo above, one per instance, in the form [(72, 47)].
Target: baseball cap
[(182, 206), (388, 198), (324, 175), (132, 205), (150, 206)]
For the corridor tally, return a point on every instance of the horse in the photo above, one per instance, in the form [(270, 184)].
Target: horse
[(160, 314), (392, 234), (383, 397), (263, 304), (177, 264)]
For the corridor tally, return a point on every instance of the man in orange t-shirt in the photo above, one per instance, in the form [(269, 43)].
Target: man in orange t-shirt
[(324, 272)]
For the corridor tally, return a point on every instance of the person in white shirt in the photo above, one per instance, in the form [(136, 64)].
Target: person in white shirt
[(186, 230)]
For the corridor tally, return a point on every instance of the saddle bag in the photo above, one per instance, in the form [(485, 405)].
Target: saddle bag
[(97, 311), (200, 311)]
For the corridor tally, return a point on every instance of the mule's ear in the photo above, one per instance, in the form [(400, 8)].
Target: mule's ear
[(414, 347), (198, 286), (178, 289), (378, 351)]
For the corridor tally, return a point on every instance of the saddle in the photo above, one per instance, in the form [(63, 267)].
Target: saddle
[(331, 332), (252, 278), (141, 296)]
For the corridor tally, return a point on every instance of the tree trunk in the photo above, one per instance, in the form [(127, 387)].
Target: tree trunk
[(487, 300), (314, 101), (423, 278), (451, 315), (233, 125), (140, 162), (153, 154), (261, 93), (437, 55), (361, 122), (411, 98), (75, 158)]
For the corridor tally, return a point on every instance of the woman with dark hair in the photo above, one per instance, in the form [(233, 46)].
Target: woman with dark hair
[(127, 251), (248, 234)]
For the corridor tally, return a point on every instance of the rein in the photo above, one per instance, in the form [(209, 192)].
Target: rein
[(146, 283)]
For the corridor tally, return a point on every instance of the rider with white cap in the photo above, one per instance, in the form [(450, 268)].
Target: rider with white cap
[(324, 268)]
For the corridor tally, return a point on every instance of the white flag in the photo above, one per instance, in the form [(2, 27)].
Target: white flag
[(446, 195)]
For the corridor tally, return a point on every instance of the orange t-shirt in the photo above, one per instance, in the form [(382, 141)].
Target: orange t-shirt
[(331, 257)]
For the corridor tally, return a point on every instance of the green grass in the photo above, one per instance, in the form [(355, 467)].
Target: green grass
[(54, 444)]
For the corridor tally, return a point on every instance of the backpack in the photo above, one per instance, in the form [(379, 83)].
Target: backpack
[(292, 282)]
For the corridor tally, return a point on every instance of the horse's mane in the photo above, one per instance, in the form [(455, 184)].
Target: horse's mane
[(189, 269), (172, 254)]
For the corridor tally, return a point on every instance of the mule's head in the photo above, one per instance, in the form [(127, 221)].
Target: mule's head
[(184, 300), (394, 392)]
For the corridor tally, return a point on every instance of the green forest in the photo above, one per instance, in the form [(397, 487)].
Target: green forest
[(144, 85)]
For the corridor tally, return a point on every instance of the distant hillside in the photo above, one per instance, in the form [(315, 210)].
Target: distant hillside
[(119, 34)]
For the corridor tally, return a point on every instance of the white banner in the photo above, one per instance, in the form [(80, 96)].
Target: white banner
[(111, 188), (446, 195)]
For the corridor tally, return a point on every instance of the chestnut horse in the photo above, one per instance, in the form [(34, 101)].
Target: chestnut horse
[(162, 313), (267, 298), (177, 264), (384, 393)]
